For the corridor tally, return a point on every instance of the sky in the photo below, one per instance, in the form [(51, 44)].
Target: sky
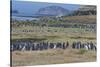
[(29, 8)]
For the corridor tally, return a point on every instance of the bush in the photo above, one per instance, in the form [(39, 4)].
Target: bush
[(82, 51)]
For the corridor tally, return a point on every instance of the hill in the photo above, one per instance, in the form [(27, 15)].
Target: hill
[(53, 10)]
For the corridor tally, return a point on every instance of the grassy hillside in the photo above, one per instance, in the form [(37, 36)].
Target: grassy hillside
[(82, 19)]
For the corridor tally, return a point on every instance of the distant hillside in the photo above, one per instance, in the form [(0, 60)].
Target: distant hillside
[(85, 10), (53, 10)]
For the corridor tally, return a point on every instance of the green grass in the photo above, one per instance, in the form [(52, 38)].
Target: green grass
[(82, 51)]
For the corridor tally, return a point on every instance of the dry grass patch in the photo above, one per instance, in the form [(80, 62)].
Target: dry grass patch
[(51, 56)]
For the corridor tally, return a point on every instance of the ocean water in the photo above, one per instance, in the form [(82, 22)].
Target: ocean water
[(23, 18)]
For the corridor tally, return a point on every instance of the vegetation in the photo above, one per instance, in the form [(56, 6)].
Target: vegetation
[(63, 29), (51, 57), (82, 51)]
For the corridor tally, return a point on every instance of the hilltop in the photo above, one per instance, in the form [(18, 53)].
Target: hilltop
[(53, 11)]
